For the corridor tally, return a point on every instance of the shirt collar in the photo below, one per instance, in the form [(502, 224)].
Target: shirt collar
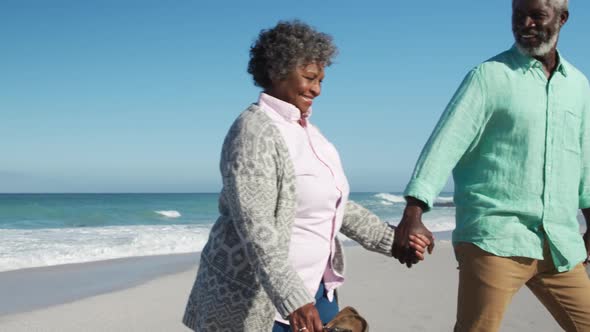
[(527, 62), (286, 110)]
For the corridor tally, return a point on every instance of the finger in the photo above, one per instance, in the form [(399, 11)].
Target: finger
[(296, 325), (314, 323), (403, 242), (415, 259), (412, 261), (409, 255), (395, 251), (301, 323), (421, 246), (412, 256), (419, 255), (423, 238), (398, 253), (318, 326), (400, 238), (418, 239), (406, 260), (419, 249), (300, 317), (431, 248)]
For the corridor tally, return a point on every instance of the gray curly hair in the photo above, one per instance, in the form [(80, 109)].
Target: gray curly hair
[(289, 44)]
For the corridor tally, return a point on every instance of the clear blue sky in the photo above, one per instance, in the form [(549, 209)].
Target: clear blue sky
[(136, 96)]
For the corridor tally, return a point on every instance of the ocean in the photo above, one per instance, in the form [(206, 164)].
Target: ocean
[(51, 229)]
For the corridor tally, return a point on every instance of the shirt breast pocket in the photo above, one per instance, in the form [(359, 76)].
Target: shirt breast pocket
[(571, 131)]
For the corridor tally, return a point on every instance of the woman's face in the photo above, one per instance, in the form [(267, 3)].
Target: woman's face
[(300, 86)]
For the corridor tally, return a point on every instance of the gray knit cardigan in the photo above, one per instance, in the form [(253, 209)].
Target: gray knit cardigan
[(244, 274)]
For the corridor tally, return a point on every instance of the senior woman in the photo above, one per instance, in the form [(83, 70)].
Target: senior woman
[(272, 261)]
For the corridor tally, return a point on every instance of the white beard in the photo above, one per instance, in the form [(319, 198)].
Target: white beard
[(540, 50)]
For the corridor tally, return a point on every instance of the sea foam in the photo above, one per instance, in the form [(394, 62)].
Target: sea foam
[(45, 247), (389, 199), (436, 224), (169, 213)]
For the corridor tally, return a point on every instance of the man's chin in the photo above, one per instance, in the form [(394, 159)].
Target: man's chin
[(535, 51), (541, 50)]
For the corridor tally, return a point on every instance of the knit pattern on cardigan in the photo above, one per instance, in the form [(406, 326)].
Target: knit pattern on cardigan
[(244, 275)]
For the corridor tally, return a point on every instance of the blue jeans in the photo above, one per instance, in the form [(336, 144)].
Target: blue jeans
[(326, 309)]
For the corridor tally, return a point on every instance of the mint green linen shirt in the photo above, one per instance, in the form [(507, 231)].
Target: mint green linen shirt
[(518, 146)]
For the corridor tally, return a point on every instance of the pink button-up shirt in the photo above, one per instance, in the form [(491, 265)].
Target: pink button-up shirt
[(322, 192)]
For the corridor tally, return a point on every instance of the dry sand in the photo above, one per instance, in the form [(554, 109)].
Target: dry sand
[(390, 296)]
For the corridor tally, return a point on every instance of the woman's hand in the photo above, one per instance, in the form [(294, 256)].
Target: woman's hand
[(419, 243), (306, 319)]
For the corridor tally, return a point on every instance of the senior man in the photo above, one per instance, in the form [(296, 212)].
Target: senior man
[(516, 136)]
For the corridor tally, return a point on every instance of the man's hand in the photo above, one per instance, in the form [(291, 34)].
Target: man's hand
[(306, 319), (411, 224)]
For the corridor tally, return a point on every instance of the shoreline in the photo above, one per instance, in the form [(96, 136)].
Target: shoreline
[(151, 292), (37, 288)]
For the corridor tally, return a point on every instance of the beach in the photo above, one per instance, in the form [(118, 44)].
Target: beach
[(149, 294)]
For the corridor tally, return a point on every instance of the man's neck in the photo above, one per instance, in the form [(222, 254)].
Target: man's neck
[(549, 62)]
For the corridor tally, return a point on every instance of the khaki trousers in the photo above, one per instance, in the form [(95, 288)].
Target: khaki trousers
[(487, 284)]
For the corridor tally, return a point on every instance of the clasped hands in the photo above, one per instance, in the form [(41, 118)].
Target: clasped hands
[(412, 239)]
